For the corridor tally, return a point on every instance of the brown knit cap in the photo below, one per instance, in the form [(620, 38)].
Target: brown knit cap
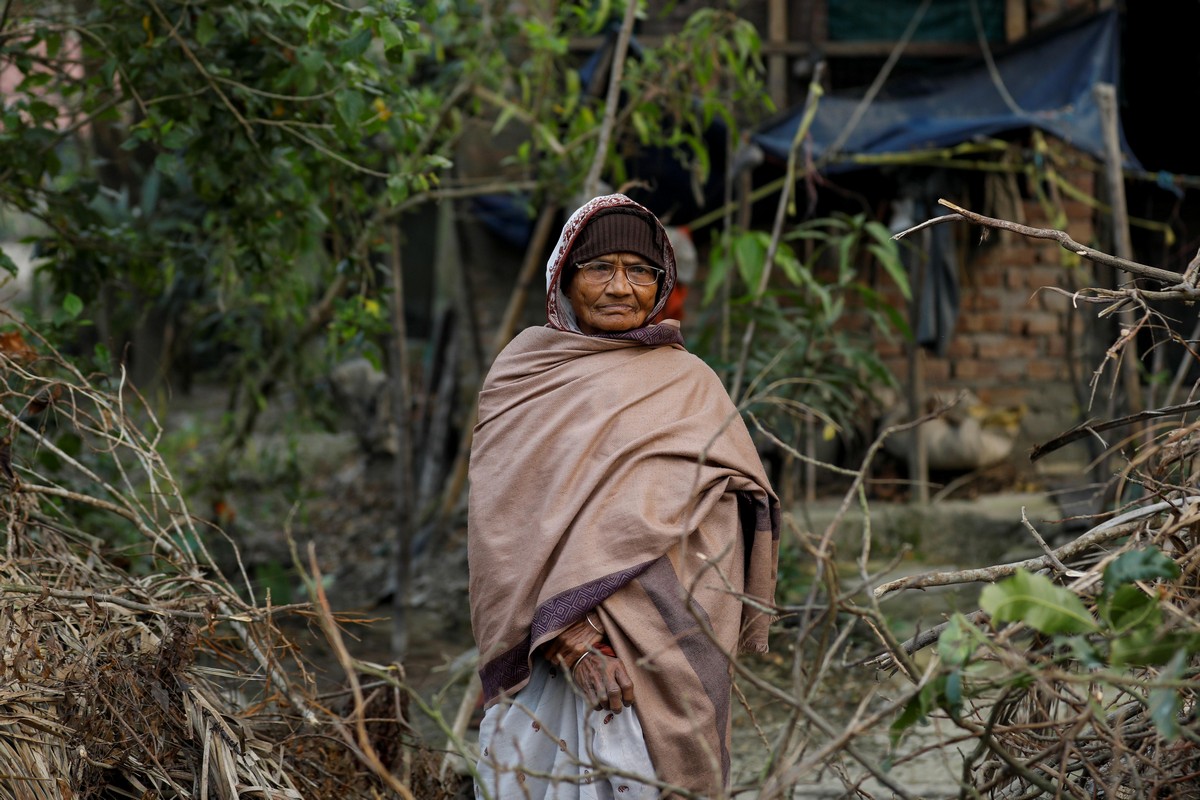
[(618, 231)]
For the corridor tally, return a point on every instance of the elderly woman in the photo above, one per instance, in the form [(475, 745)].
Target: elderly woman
[(621, 528)]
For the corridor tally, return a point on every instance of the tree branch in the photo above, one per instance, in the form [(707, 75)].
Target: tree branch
[(1174, 279)]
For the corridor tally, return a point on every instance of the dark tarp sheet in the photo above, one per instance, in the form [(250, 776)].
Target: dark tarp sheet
[(943, 21), (1050, 82)]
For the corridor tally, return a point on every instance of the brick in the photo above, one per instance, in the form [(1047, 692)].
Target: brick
[(1078, 210), (935, 369), (981, 301), (885, 348), (970, 323), (1082, 178), (1003, 396), (1056, 346), (1008, 348), (990, 346), (1011, 370), (969, 369), (1045, 276), (1042, 324), (1017, 254), (993, 322), (961, 347), (1046, 369), (986, 279), (1081, 230)]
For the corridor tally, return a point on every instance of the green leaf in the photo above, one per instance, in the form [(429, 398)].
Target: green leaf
[(175, 138), (954, 643), (1085, 653), (1035, 601), (952, 691), (397, 188), (102, 355), (1165, 703), (914, 711), (1130, 607), (1147, 648), (750, 254), (316, 22), (392, 36), (7, 264), (310, 59), (206, 29), (889, 257), (1139, 565), (356, 45), (72, 305), (350, 106), (718, 269), (785, 257)]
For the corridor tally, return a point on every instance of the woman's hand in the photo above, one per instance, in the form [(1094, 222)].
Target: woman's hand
[(570, 645), (604, 682), (601, 677)]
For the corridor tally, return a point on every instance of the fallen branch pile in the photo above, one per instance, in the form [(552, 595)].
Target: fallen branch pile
[(1077, 676), (129, 665)]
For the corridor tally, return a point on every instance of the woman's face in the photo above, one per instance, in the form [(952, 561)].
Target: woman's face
[(614, 306)]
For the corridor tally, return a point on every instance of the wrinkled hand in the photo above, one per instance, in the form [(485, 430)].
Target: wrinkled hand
[(602, 678), (604, 682), (570, 645)]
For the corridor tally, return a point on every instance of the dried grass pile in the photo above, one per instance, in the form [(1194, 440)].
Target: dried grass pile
[(129, 665)]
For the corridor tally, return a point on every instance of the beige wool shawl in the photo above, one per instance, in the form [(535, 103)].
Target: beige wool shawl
[(613, 475)]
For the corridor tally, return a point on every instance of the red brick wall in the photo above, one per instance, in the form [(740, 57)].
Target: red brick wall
[(1010, 343)]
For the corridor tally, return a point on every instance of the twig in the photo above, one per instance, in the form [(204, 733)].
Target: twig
[(592, 182), (334, 636), (1091, 427), (1112, 529), (1067, 243), (1045, 547), (887, 660)]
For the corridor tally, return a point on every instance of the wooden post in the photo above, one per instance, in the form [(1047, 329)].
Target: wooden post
[(777, 61), (1106, 99), (918, 463), (1015, 24)]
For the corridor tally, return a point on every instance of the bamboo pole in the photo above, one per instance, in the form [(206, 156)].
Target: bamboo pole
[(1106, 100)]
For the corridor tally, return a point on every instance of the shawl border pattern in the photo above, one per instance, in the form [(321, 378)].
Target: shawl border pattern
[(511, 668)]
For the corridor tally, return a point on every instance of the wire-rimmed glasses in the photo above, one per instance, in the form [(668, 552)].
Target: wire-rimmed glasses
[(601, 272)]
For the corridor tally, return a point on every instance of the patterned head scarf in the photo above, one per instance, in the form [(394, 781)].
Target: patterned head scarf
[(559, 313)]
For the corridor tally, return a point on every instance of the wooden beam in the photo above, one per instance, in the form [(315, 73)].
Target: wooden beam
[(879, 49)]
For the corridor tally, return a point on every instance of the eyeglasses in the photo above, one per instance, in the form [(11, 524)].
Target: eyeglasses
[(601, 272)]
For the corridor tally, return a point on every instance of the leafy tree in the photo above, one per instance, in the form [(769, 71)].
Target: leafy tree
[(220, 185)]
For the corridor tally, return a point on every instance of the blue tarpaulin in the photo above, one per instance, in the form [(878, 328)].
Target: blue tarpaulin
[(1047, 84)]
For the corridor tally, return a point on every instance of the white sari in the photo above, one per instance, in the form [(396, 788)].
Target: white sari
[(546, 743)]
